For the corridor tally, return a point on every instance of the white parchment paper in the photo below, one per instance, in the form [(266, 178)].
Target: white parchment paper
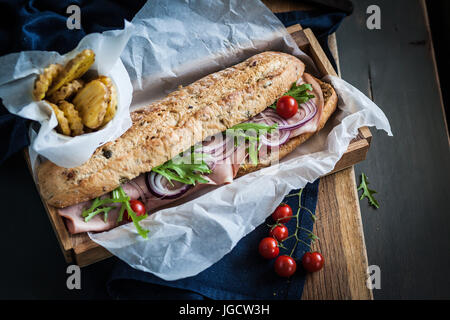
[(19, 71), (176, 44)]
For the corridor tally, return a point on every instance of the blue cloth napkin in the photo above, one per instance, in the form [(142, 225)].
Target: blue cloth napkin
[(242, 274)]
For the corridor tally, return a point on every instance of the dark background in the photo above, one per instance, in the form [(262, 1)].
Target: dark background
[(439, 15), (408, 237)]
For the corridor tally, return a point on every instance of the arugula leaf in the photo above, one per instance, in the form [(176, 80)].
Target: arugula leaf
[(98, 203), (92, 214), (367, 193), (250, 131), (253, 152), (187, 172), (254, 126), (143, 232), (299, 93), (252, 135), (118, 196)]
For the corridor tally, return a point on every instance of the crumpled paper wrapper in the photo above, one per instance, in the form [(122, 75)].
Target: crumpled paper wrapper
[(19, 72), (176, 44)]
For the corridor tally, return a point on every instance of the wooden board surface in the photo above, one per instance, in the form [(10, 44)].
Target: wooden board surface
[(408, 237)]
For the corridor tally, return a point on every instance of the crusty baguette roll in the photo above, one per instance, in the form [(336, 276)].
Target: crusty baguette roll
[(330, 99), (170, 126)]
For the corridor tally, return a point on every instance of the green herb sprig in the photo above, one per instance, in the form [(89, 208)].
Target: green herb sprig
[(185, 170), (367, 193), (299, 93), (252, 133), (104, 206)]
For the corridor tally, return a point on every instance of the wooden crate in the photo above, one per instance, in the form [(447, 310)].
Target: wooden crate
[(80, 249)]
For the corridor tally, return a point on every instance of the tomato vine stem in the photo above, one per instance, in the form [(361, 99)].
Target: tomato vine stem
[(298, 227)]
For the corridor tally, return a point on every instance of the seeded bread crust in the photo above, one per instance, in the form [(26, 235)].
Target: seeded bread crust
[(330, 103), (169, 126)]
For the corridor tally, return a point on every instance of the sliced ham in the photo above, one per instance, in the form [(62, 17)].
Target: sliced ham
[(75, 222), (238, 157), (310, 126), (222, 174)]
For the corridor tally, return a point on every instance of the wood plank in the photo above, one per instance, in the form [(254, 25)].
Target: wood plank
[(318, 55), (356, 152), (366, 134), (89, 252), (332, 44), (286, 5)]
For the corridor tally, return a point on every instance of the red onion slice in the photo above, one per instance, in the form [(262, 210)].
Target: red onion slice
[(270, 117), (280, 137), (277, 137), (224, 151), (160, 187), (220, 147), (306, 112), (228, 148)]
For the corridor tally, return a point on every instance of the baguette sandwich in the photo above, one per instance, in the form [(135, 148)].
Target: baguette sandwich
[(141, 163)]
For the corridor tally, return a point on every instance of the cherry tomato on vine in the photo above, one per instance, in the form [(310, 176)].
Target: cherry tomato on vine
[(287, 107), (138, 207), (285, 266), (279, 232), (268, 248), (312, 261), (283, 212)]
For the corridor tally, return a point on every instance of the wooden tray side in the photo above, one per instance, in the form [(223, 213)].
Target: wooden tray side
[(307, 42), (81, 250)]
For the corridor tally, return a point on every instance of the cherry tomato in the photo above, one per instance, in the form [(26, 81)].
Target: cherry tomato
[(312, 261), (283, 212), (138, 207), (285, 266), (279, 232), (287, 106), (268, 248)]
